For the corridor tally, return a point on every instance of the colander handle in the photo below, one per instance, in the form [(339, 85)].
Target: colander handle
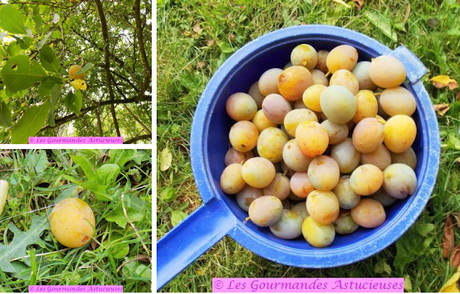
[(191, 238), (415, 69)]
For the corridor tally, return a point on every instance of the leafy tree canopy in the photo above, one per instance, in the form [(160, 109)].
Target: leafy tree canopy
[(42, 39)]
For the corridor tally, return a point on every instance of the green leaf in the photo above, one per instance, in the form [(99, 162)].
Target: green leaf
[(5, 115), (99, 191), (382, 267), (84, 69), (225, 47), (453, 142), (107, 174), (54, 99), (36, 163), (135, 208), (37, 19), (73, 102), (48, 59), (68, 193), (121, 156), (43, 42), (453, 32), (11, 20), (85, 165), (424, 229), (13, 49), (30, 123), (47, 85), (120, 250), (168, 194), (136, 270), (19, 74), (57, 35), (382, 23), (409, 247), (177, 216), (21, 240)]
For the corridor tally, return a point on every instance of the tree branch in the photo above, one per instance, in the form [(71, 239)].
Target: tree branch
[(105, 35), (129, 111), (145, 61), (73, 116), (137, 138)]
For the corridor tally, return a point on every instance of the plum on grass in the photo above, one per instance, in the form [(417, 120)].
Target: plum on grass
[(72, 222)]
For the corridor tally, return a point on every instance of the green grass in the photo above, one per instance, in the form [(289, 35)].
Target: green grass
[(39, 179), (195, 38)]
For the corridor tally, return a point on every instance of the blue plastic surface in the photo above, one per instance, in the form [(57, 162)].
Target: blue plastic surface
[(209, 143)]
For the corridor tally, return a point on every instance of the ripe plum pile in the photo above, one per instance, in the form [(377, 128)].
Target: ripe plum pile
[(323, 145)]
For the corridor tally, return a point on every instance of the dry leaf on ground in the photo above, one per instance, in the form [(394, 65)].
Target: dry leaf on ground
[(443, 81), (441, 109), (448, 238), (165, 159)]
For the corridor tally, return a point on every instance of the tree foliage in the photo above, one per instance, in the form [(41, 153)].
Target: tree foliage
[(41, 39)]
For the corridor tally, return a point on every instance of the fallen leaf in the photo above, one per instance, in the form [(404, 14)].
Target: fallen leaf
[(433, 22), (196, 28), (448, 238), (441, 109), (359, 3), (451, 285), (455, 259), (407, 284), (200, 64), (94, 245), (165, 159), (406, 15), (443, 81), (3, 194), (143, 258), (456, 215), (200, 272), (211, 42)]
